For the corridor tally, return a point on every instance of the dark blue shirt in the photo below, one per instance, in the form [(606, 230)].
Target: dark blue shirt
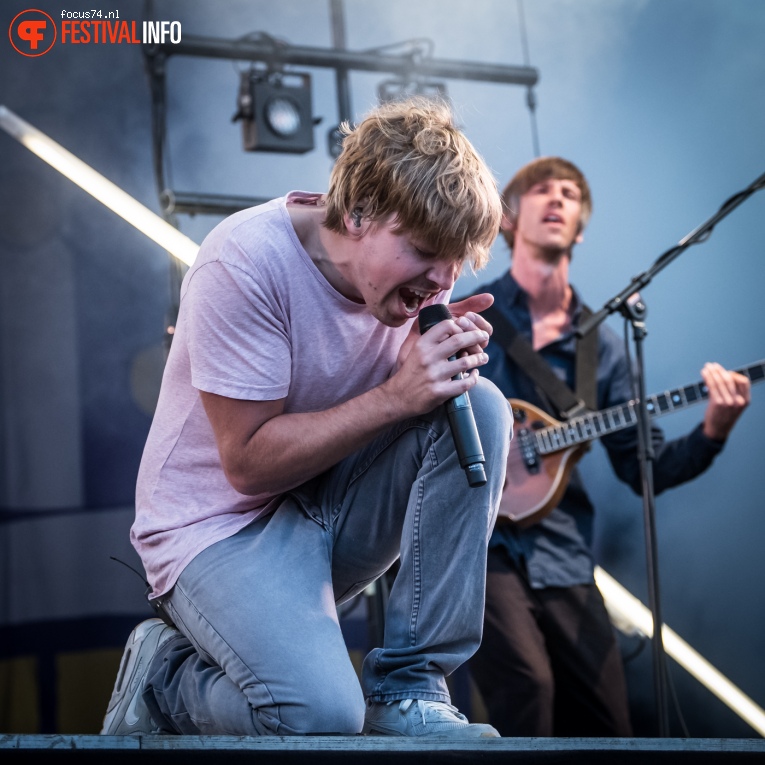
[(557, 551)]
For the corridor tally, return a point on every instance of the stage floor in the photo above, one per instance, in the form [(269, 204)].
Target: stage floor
[(114, 750)]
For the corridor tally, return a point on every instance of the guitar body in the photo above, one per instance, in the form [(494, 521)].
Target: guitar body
[(531, 491)]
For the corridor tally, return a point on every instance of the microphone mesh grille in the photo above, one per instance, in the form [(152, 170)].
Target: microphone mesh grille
[(431, 315)]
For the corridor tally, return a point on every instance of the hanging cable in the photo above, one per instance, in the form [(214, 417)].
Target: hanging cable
[(531, 98)]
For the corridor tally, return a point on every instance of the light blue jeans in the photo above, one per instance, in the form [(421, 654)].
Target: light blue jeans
[(262, 652)]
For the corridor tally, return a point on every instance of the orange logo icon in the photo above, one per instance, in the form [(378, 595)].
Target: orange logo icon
[(32, 32)]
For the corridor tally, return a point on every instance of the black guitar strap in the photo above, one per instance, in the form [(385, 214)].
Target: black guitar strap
[(587, 365), (539, 371)]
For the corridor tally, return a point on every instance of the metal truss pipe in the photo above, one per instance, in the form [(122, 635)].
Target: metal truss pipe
[(406, 65), (205, 204)]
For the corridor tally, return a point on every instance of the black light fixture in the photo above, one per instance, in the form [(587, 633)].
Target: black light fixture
[(395, 90), (276, 111), (335, 138)]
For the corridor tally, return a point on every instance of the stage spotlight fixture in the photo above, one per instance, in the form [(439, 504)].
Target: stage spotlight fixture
[(335, 138), (395, 90), (276, 111)]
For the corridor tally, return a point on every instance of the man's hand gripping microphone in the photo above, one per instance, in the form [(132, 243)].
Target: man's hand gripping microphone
[(459, 411)]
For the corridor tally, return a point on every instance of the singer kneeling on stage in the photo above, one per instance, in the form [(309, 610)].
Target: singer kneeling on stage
[(300, 447)]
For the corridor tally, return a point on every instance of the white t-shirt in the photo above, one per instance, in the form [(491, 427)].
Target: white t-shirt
[(258, 321)]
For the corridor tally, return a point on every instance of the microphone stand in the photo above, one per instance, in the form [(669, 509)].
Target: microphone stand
[(634, 311)]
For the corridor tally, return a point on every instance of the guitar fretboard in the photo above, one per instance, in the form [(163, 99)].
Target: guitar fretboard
[(593, 425)]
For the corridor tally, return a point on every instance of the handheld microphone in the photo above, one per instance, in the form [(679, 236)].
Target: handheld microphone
[(459, 411)]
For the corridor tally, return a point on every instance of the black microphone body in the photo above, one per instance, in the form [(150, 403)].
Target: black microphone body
[(459, 411)]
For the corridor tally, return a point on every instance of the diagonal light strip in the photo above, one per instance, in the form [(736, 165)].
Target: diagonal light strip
[(627, 611), (103, 190)]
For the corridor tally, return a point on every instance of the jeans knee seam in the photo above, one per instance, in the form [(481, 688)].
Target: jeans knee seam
[(416, 572), (416, 580)]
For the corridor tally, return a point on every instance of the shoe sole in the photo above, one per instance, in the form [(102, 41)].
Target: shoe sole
[(468, 731), (439, 735)]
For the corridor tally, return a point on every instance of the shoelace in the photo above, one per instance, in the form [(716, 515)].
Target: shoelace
[(436, 708)]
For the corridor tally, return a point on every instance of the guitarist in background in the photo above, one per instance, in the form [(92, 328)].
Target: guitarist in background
[(549, 663)]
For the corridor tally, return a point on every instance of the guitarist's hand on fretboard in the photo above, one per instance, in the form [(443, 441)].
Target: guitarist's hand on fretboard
[(729, 395)]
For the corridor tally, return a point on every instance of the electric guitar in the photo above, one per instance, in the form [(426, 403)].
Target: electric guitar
[(544, 450)]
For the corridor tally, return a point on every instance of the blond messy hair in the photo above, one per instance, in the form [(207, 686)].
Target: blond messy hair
[(537, 171), (409, 160)]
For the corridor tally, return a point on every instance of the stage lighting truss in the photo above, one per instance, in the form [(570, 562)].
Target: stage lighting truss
[(276, 111), (395, 90)]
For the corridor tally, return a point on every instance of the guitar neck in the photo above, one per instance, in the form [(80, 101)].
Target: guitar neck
[(587, 427)]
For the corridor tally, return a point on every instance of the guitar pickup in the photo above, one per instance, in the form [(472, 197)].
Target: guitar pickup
[(528, 450)]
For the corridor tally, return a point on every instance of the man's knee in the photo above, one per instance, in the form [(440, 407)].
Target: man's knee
[(325, 711), (491, 409)]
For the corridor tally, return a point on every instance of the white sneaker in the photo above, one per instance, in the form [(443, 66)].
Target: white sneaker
[(415, 717), (127, 713)]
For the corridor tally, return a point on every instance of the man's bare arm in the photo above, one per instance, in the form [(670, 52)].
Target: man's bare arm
[(264, 449)]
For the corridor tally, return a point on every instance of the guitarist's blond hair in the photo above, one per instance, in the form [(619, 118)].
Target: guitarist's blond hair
[(543, 169)]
